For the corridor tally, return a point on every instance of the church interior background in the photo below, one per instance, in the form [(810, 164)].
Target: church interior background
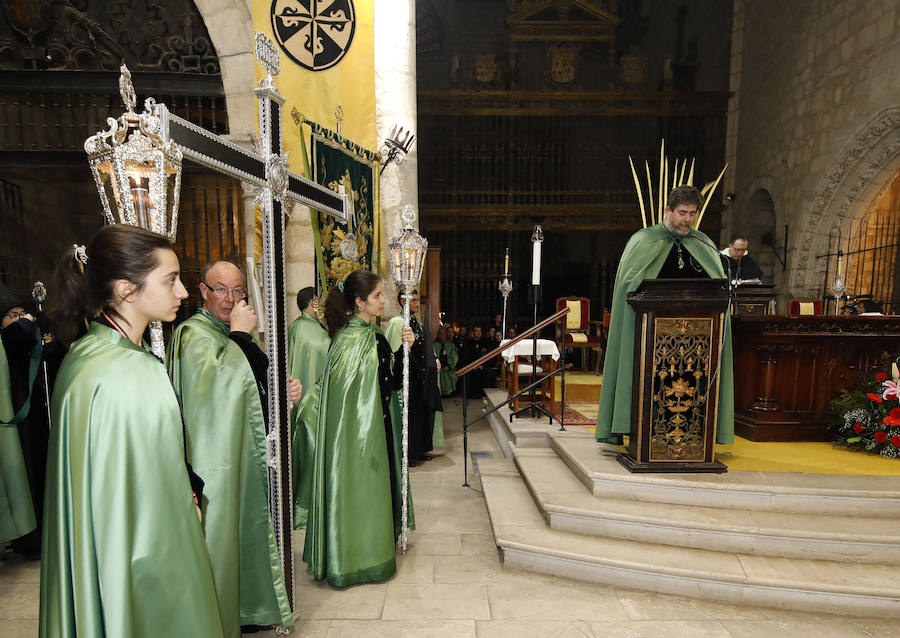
[(527, 111), (517, 125)]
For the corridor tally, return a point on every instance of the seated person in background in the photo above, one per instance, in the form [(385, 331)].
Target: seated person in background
[(737, 261)]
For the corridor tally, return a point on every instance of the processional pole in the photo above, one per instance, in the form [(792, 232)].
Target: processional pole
[(39, 295), (505, 288), (407, 251)]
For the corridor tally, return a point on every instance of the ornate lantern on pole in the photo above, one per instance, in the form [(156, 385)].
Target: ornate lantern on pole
[(137, 174), (407, 252)]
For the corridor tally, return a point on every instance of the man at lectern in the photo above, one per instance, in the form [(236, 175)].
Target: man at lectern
[(670, 250)]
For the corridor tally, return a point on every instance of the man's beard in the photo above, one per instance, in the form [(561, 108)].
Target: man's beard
[(675, 230)]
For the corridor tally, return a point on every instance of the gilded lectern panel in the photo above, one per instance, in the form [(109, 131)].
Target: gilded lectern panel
[(681, 380)]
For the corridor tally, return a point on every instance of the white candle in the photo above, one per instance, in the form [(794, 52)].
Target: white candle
[(536, 264), (895, 373), (839, 266), (506, 263)]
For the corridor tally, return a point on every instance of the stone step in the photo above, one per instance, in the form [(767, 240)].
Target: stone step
[(595, 465), (567, 505), (525, 542)]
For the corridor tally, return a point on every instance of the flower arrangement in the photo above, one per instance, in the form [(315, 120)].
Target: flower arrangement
[(870, 417)]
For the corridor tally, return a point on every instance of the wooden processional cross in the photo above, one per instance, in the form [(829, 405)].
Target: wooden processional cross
[(266, 170)]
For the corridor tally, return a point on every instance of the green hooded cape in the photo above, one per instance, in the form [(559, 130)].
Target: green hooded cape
[(226, 443), (308, 345), (123, 551), (447, 376), (354, 513), (643, 258), (307, 348), (16, 509)]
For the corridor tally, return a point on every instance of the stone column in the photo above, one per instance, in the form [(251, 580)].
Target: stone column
[(395, 103)]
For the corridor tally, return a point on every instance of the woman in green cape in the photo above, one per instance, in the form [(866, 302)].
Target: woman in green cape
[(446, 353), (123, 551), (354, 503)]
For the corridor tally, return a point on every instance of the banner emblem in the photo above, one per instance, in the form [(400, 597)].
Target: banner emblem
[(316, 34)]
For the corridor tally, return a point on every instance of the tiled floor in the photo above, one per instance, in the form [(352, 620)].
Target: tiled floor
[(451, 584)]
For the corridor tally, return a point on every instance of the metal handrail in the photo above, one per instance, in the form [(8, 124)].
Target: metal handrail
[(462, 372), (493, 353)]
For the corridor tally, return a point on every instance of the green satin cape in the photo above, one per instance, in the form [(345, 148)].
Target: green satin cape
[(447, 376), (308, 345), (307, 348), (353, 522), (643, 258), (16, 508), (226, 443), (123, 552), (303, 451)]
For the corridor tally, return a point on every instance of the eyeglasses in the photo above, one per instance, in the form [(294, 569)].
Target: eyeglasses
[(222, 291), (15, 315)]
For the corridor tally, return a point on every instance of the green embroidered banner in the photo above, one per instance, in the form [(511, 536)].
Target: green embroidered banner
[(350, 246)]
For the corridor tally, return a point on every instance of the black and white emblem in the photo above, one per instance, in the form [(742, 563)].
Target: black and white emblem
[(316, 34)]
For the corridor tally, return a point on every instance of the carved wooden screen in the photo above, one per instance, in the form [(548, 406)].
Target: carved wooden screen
[(13, 265)]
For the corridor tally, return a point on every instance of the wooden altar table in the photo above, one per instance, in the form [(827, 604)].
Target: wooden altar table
[(787, 369)]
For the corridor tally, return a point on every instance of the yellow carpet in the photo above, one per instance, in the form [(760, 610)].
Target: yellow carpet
[(803, 458), (581, 387), (808, 458)]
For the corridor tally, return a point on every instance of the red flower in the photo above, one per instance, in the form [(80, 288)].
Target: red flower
[(881, 437), (896, 440), (857, 428), (873, 397), (893, 419), (881, 376)]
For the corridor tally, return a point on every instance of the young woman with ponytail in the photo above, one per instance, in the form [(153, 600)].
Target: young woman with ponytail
[(123, 551), (354, 495)]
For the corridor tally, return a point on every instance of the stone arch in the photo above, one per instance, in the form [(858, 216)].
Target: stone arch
[(862, 171), (230, 27), (757, 218)]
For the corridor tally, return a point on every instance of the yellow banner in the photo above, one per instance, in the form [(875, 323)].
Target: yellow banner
[(327, 59)]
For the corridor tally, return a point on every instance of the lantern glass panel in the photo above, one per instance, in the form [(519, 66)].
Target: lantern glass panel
[(108, 183), (142, 199)]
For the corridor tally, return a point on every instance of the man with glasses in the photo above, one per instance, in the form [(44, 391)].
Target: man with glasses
[(219, 372), (737, 261)]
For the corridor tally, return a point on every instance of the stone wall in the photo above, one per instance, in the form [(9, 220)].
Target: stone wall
[(815, 124)]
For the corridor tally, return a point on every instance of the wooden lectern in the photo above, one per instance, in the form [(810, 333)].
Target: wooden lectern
[(675, 390)]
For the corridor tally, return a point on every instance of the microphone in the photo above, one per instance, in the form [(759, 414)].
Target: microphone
[(729, 282)]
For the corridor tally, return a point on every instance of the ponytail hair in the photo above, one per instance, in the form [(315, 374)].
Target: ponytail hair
[(342, 298), (83, 290)]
